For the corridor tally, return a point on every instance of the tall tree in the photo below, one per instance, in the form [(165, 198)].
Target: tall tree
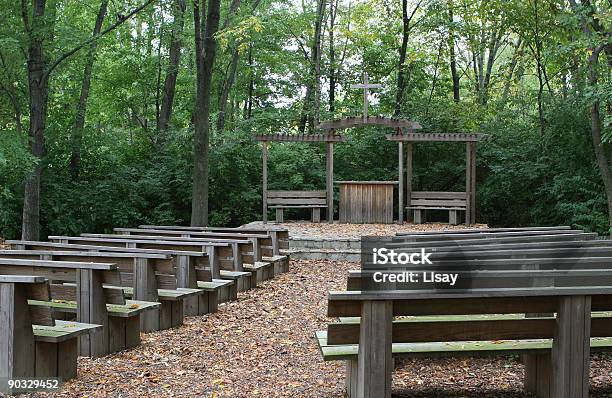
[(38, 21), (597, 36), (311, 105), (79, 120), (174, 62), (333, 12), (230, 77), (206, 55), (401, 67), (451, 52)]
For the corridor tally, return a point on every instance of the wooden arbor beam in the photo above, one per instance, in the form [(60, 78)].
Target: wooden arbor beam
[(264, 178), (329, 182)]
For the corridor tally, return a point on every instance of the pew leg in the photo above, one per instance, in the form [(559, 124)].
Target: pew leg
[(316, 214), (132, 331), (452, 217), (418, 216), (571, 348), (46, 359), (150, 320), (375, 363), (213, 302), (279, 215), (233, 291), (537, 374), (351, 378), (191, 306), (178, 313)]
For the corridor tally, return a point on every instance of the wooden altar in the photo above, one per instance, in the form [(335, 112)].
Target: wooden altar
[(366, 201)]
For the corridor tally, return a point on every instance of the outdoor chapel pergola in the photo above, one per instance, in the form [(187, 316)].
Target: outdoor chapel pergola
[(372, 201)]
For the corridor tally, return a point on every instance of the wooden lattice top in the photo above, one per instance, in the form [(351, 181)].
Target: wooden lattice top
[(300, 137), (349, 122), (453, 137)]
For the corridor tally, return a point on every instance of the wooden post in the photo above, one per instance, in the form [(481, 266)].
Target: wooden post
[(468, 183), (213, 258), (145, 289), (264, 150), (237, 254), (17, 347), (408, 178), (91, 302), (473, 183), (375, 363), (400, 198), (330, 181), (571, 348)]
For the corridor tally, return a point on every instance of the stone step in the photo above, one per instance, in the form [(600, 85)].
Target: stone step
[(299, 243), (326, 254)]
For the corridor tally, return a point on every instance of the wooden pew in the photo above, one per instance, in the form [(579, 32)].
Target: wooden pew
[(193, 269), (432, 244), (480, 230), (77, 289), (144, 277), (442, 329), (227, 254), (262, 250), (32, 344), (562, 269), (453, 202), (452, 236), (220, 254), (279, 236), (231, 258)]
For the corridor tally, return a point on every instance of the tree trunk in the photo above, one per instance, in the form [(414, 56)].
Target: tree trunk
[(593, 30), (249, 103), (451, 49), (309, 109), (515, 57), (333, 10), (38, 32), (317, 63), (79, 120), (401, 69), (598, 145), (231, 75), (39, 26), (174, 62), (399, 95), (199, 205)]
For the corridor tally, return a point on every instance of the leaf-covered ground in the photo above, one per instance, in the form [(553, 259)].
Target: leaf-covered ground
[(337, 230), (262, 346)]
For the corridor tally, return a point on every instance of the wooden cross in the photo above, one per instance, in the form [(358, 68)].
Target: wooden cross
[(365, 86)]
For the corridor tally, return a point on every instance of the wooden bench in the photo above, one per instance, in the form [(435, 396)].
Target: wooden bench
[(433, 245), (77, 290), (280, 200), (225, 254), (32, 343), (262, 249), (144, 277), (570, 279), (458, 236), (279, 236), (421, 201), (192, 266), (485, 230), (446, 325)]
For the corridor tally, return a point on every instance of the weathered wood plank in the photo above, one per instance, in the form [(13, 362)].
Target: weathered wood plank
[(375, 362)]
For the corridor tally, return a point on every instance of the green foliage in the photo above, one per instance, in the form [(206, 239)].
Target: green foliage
[(131, 173)]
